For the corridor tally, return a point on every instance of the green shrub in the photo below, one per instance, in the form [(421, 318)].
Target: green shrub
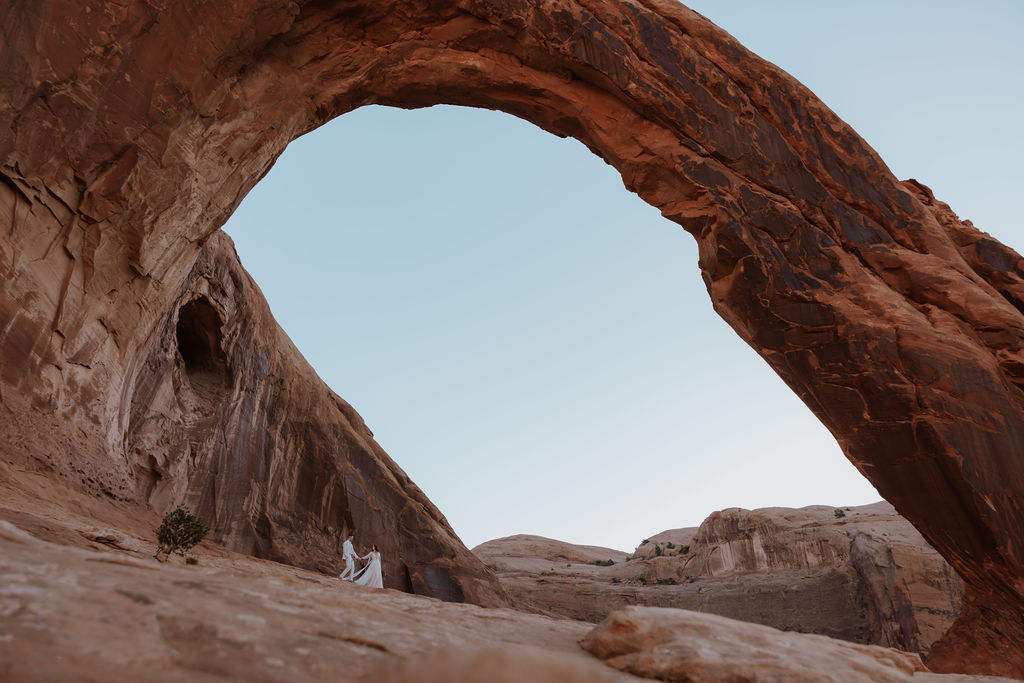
[(603, 563), (658, 551), (670, 545), (839, 513), (179, 532)]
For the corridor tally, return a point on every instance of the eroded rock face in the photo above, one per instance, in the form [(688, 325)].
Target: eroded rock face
[(228, 418), (675, 645), (861, 574), (135, 129)]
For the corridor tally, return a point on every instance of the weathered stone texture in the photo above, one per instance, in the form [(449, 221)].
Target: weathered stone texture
[(134, 129), (675, 645), (227, 417), (78, 607), (864, 575)]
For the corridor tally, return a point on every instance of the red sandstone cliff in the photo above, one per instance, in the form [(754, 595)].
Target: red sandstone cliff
[(133, 129), (222, 413)]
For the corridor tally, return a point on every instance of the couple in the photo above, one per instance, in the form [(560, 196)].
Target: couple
[(370, 575)]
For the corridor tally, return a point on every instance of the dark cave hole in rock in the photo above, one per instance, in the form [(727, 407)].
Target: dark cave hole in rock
[(200, 344)]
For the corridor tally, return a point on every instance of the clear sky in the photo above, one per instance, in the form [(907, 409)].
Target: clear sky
[(533, 344)]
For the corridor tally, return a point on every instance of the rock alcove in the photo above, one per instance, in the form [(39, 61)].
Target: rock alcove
[(900, 326), (201, 345)]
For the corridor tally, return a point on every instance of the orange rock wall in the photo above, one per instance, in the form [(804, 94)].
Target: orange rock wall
[(135, 129)]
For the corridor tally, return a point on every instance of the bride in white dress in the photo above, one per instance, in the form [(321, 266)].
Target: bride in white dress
[(370, 575)]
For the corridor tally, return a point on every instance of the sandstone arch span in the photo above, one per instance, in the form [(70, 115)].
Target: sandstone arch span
[(900, 326)]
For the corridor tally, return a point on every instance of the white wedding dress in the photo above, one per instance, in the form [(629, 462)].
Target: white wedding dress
[(370, 575)]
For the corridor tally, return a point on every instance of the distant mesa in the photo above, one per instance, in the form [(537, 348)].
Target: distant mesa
[(867, 576)]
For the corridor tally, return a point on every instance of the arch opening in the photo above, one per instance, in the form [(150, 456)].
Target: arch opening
[(798, 224), (551, 474), (509, 301)]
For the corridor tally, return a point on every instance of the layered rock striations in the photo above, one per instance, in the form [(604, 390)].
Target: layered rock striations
[(134, 129), (862, 574)]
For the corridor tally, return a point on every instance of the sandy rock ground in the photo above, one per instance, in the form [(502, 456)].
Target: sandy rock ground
[(105, 613), (70, 613), (83, 599)]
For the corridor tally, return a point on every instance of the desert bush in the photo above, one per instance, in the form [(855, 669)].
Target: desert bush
[(603, 563), (179, 532), (839, 514)]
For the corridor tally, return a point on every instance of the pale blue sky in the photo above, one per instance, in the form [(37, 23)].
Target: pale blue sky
[(533, 344)]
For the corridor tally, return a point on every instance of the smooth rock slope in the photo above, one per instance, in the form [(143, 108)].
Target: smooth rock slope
[(77, 604)]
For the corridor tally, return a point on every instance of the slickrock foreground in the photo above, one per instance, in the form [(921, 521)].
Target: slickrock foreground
[(83, 603), (73, 614), (861, 574), (672, 645), (137, 363)]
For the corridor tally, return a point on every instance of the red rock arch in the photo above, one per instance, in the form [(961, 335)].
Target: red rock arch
[(135, 134)]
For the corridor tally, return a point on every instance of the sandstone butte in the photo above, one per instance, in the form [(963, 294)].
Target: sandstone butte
[(861, 574), (139, 362)]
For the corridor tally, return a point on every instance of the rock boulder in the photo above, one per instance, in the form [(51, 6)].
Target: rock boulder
[(675, 645)]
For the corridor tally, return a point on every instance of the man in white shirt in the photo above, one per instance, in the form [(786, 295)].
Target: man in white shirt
[(348, 554)]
